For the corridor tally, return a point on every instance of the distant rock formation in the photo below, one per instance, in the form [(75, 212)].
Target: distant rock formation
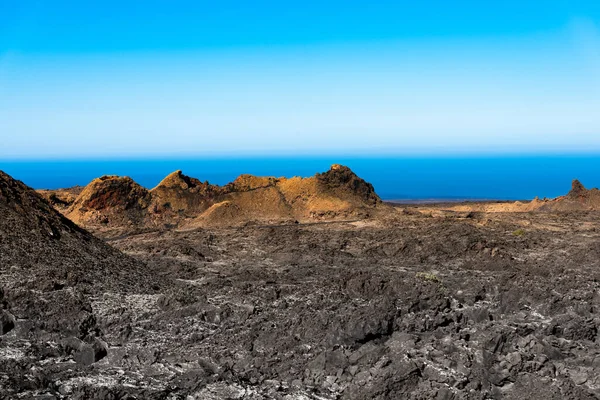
[(577, 189), (185, 201), (578, 199)]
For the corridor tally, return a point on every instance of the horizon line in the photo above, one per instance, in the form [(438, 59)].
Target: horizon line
[(307, 155)]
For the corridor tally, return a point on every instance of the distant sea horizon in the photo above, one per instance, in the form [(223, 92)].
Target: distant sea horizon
[(407, 179)]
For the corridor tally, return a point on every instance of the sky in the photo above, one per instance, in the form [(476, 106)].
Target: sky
[(198, 78)]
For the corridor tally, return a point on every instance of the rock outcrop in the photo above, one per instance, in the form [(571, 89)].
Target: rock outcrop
[(420, 306), (577, 189), (344, 183), (184, 201)]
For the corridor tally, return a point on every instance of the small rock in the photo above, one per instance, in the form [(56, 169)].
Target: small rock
[(362, 378), (65, 389), (86, 353), (296, 383), (7, 322), (514, 358), (579, 377), (444, 394)]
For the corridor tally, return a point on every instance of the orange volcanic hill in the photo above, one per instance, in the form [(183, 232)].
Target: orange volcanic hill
[(185, 201), (110, 200), (180, 195)]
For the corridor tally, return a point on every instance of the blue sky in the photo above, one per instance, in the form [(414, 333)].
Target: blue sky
[(158, 78)]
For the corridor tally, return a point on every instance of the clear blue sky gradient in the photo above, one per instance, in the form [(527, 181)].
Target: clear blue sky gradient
[(170, 78)]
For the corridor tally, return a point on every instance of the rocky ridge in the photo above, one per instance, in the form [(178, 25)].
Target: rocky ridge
[(187, 202)]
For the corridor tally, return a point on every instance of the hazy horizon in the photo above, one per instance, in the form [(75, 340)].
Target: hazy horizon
[(153, 79)]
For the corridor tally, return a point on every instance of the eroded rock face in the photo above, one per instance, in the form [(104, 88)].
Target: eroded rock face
[(110, 192), (578, 199), (179, 196), (177, 180)]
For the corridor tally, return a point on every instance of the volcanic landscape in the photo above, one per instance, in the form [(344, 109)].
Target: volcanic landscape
[(295, 289)]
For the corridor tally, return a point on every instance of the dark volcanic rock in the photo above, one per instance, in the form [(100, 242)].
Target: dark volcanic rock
[(411, 309), (7, 322), (341, 180)]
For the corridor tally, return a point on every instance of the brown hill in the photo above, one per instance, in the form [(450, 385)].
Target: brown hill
[(110, 199), (180, 195), (185, 201)]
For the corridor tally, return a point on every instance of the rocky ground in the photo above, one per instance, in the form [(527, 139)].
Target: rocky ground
[(420, 304)]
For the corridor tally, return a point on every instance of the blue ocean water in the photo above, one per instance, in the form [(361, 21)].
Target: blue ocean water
[(394, 178)]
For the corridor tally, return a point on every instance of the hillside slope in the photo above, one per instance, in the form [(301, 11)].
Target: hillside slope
[(54, 279), (45, 248)]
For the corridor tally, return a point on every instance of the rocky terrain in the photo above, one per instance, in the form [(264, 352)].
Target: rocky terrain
[(417, 302), (50, 271)]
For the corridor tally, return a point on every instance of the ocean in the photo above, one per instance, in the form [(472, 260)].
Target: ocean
[(394, 178)]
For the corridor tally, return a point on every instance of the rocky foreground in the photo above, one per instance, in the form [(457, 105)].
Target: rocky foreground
[(413, 303)]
